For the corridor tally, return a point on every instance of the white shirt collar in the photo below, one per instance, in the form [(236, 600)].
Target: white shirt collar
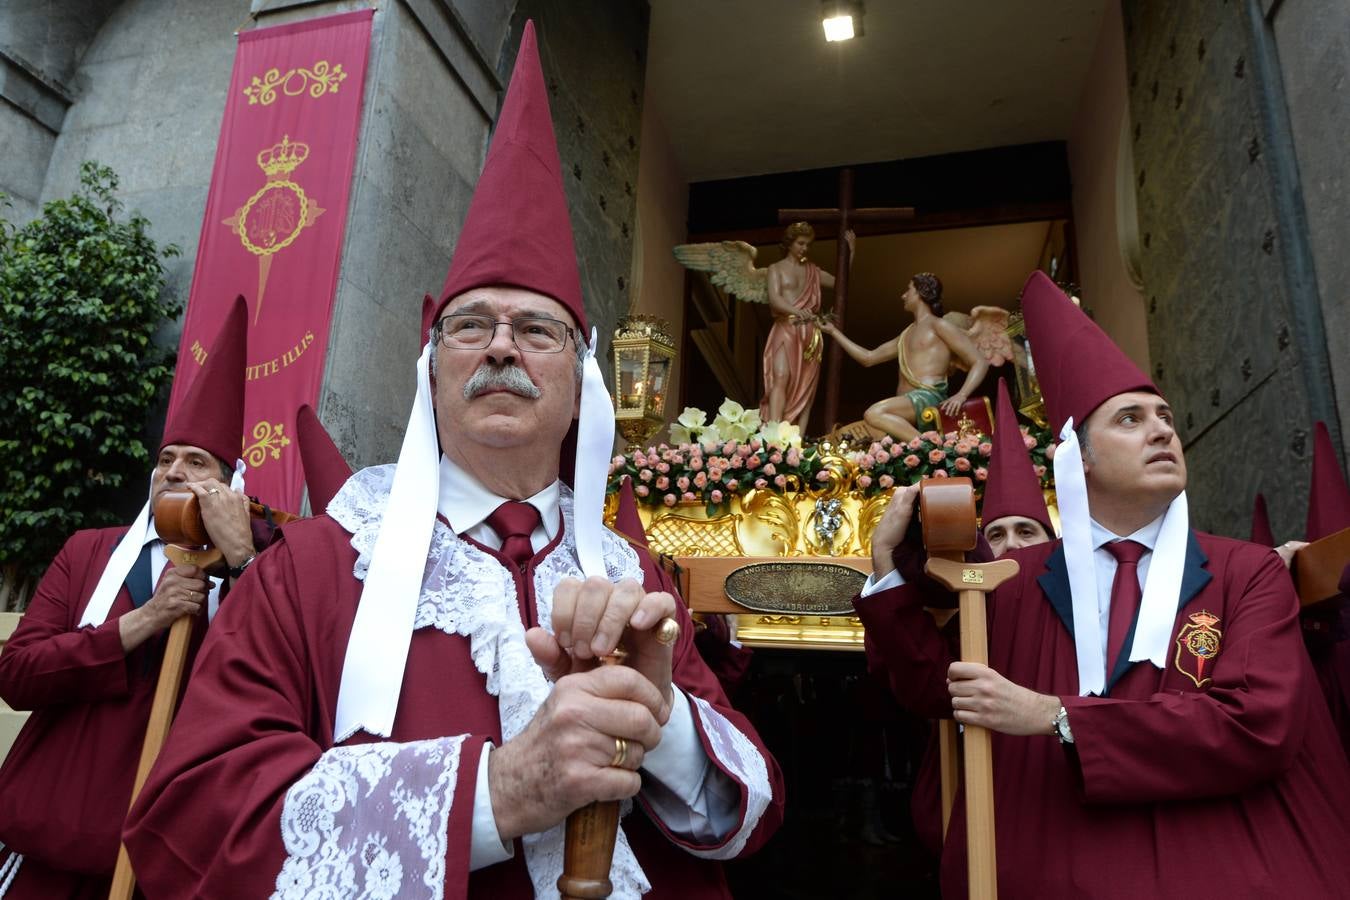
[(465, 503), (1148, 535)]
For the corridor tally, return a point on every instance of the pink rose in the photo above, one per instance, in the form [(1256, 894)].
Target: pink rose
[(981, 474), (735, 462), (668, 499), (700, 479), (645, 475), (696, 463), (935, 457), (823, 475), (677, 457), (663, 467), (781, 481), (756, 445), (1029, 441), (688, 495), (639, 459), (940, 473), (883, 457), (872, 450), (868, 461), (986, 448), (1050, 451), (714, 474), (794, 457), (642, 490), (651, 451), (949, 444), (617, 461), (931, 437), (752, 462), (662, 483), (761, 483), (951, 436), (915, 443), (775, 457), (715, 496), (1040, 471), (864, 481), (770, 470), (743, 451), (911, 461), (682, 482), (732, 484), (885, 481), (962, 464), (887, 441), (728, 448)]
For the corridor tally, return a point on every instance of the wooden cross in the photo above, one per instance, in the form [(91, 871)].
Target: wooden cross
[(844, 216)]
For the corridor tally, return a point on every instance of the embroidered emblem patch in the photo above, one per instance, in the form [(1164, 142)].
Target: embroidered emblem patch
[(1200, 642)]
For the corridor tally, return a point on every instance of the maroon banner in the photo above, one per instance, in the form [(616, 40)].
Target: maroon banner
[(273, 228)]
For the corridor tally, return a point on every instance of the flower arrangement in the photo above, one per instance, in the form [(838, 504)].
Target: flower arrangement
[(735, 453), (712, 462)]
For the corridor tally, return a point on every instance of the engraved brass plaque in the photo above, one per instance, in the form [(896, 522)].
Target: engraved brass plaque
[(972, 576), (796, 588)]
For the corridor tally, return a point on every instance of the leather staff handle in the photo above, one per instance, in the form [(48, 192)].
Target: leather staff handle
[(950, 528)]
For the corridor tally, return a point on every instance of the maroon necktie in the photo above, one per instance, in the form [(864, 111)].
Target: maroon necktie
[(1125, 597), (514, 522)]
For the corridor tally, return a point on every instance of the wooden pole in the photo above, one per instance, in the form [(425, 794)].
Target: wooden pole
[(588, 843), (835, 364), (947, 510), (156, 730)]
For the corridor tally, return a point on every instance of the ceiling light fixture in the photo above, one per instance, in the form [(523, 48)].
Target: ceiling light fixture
[(841, 19)]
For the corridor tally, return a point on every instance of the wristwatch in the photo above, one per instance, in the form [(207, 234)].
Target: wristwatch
[(1059, 726), (236, 571)]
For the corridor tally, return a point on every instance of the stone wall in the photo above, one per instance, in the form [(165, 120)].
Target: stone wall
[(594, 59), (140, 85), (1235, 325)]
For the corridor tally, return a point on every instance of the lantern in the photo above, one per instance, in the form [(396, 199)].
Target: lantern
[(643, 354)]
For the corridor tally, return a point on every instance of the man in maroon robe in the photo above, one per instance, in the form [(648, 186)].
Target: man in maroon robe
[(85, 657), (1195, 760), (402, 697)]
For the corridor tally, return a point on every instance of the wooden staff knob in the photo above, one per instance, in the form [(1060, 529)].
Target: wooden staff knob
[(947, 511), (178, 519)]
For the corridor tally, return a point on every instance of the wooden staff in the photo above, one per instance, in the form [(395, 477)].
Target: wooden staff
[(947, 510), (178, 521), (588, 847)]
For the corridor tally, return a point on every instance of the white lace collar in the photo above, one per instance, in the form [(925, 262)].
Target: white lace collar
[(468, 592)]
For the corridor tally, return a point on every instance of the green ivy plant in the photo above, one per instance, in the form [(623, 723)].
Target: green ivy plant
[(81, 296)]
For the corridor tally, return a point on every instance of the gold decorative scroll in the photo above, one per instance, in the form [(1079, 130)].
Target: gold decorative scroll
[(273, 218), (268, 439), (320, 79)]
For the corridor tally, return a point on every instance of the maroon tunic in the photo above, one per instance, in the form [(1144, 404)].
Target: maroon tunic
[(260, 714), (66, 783), (1232, 787)]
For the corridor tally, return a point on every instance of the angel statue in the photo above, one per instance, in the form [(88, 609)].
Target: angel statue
[(791, 287), (927, 350)]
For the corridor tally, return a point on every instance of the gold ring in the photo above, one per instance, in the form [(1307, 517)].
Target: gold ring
[(214, 491), (667, 631), (620, 752)]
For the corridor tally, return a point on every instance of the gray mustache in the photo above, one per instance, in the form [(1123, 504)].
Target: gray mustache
[(490, 378)]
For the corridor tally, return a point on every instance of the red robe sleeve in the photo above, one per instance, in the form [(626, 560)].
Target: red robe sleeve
[(254, 739), (1249, 723), (47, 660), (730, 741), (904, 644)]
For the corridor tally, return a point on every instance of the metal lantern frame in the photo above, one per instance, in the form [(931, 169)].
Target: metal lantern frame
[(644, 340)]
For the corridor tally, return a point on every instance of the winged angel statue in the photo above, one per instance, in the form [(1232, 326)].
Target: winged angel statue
[(792, 353), (791, 287)]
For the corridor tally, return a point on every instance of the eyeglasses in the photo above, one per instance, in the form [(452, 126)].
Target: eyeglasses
[(533, 334)]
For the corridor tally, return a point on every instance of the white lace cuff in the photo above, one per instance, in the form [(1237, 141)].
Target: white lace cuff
[(741, 759), (370, 820)]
